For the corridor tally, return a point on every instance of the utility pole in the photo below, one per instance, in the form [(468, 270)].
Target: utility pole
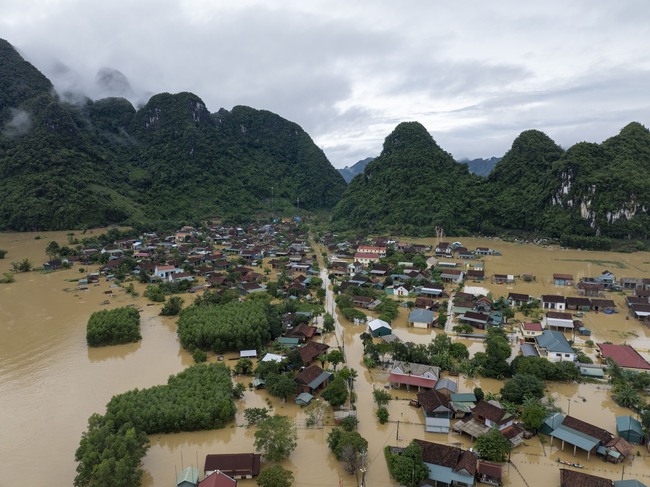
[(363, 468), (397, 434)]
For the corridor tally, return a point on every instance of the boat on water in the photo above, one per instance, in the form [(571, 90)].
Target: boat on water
[(570, 464)]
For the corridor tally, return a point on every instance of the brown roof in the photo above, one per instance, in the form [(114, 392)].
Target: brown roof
[(620, 445), (559, 315), (552, 298), (588, 429), (576, 301), (233, 464), (571, 478), (448, 456), (490, 469), (312, 350), (566, 277), (431, 400), (307, 375), (301, 331), (484, 409)]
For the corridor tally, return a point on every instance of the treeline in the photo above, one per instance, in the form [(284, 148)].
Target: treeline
[(113, 327), (111, 450), (592, 196), (250, 324)]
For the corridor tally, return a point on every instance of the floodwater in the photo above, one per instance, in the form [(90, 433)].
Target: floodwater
[(50, 382)]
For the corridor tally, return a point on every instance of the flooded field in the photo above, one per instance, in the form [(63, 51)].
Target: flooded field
[(50, 382)]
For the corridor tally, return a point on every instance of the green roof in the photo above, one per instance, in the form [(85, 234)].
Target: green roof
[(188, 474)]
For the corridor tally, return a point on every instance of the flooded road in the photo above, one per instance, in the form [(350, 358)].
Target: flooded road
[(50, 382)]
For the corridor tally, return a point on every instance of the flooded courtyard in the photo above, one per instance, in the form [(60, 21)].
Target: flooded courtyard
[(51, 382)]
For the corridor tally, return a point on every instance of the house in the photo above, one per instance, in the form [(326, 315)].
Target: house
[(573, 478), (552, 301), (448, 465), (362, 301), (379, 328), (401, 290), (421, 318), (366, 258), (188, 477), (578, 303), (444, 249), (628, 283), (165, 272), (311, 351), (235, 465), (590, 289), (477, 320), (412, 374), (551, 422), (218, 479), (517, 299), (615, 450), (489, 473), (312, 378), (559, 321), (302, 332), (503, 279), (562, 280), (303, 399), (531, 330), (433, 291), (629, 428), (437, 411), (424, 303), (462, 404), (475, 275), (452, 275), (581, 435), (487, 415), (554, 346), (446, 386), (624, 356), (607, 279)]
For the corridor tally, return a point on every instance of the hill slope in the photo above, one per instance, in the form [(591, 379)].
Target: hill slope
[(409, 189), (103, 162)]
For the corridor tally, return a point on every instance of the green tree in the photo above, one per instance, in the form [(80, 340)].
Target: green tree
[(347, 447), (336, 393), (172, 307), (328, 323), (3, 253), (276, 438), (381, 397), (254, 416), (533, 414), (282, 385), (408, 468), (522, 386), (626, 395), (244, 366), (52, 249), (335, 357), (493, 446), (382, 414), (275, 476)]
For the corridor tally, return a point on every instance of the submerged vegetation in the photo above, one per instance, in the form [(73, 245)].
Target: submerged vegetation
[(111, 450), (113, 327)]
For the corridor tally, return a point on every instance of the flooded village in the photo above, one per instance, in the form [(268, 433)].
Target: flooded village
[(563, 305)]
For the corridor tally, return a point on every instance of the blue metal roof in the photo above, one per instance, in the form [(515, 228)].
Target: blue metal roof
[(554, 341), (421, 315), (573, 437)]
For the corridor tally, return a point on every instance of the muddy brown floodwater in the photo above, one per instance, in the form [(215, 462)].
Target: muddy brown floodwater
[(50, 382)]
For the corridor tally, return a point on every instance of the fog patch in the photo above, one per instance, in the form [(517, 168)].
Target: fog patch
[(19, 125)]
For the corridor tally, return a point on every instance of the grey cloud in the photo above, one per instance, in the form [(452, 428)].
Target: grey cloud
[(20, 124)]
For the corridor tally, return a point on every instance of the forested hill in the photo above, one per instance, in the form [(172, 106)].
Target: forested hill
[(101, 162), (590, 190), (410, 188)]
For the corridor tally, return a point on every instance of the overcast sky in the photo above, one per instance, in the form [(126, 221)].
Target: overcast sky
[(474, 73)]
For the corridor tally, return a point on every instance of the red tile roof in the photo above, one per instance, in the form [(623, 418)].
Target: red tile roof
[(624, 356), (218, 479), (412, 380)]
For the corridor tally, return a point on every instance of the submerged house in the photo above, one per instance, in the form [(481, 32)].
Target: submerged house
[(437, 411), (412, 374), (235, 465), (581, 435), (448, 465)]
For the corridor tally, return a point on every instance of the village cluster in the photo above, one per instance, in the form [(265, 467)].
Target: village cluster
[(438, 286)]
